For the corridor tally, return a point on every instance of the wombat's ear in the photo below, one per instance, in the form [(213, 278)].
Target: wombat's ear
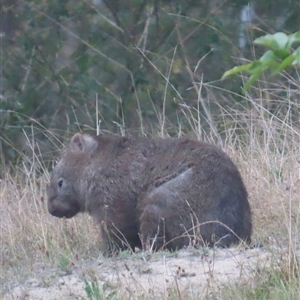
[(83, 143)]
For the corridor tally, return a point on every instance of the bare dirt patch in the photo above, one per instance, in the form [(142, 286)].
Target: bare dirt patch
[(187, 273)]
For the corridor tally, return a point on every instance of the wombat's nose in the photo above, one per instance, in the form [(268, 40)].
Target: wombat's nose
[(53, 210)]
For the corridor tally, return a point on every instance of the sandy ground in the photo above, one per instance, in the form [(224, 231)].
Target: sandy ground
[(188, 273)]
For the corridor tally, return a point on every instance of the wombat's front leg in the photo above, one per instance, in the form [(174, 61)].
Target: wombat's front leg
[(105, 239), (115, 239), (111, 241)]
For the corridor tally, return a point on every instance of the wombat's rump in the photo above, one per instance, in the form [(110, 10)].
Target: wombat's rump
[(150, 192)]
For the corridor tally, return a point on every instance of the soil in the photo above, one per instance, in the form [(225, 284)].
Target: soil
[(186, 273)]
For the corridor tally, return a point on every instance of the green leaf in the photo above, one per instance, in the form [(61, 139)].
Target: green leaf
[(269, 56), (297, 56), (254, 65), (253, 78), (281, 39), (276, 41), (295, 37), (281, 54), (285, 64), (267, 41), (237, 70), (269, 60)]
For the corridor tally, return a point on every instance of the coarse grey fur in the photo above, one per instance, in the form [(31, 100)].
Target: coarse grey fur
[(151, 192)]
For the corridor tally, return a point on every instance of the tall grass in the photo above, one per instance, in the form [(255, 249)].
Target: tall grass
[(264, 143)]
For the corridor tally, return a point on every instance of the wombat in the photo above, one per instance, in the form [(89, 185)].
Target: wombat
[(152, 193)]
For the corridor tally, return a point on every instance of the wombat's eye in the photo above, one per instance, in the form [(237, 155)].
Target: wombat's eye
[(60, 183)]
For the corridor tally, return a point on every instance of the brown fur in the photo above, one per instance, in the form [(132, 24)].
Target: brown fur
[(151, 192)]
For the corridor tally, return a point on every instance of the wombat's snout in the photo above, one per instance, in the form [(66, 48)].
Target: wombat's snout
[(62, 209), (53, 209)]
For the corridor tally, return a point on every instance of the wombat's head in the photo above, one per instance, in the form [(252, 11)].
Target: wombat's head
[(65, 191)]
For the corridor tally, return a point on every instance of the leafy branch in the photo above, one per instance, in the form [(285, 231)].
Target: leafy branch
[(277, 59)]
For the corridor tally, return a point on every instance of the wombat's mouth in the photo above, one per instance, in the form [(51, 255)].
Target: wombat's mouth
[(56, 214), (62, 211), (60, 214)]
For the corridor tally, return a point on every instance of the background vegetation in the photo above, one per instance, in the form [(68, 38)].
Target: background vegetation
[(144, 62)]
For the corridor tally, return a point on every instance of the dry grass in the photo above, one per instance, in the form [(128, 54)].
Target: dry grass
[(264, 145)]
